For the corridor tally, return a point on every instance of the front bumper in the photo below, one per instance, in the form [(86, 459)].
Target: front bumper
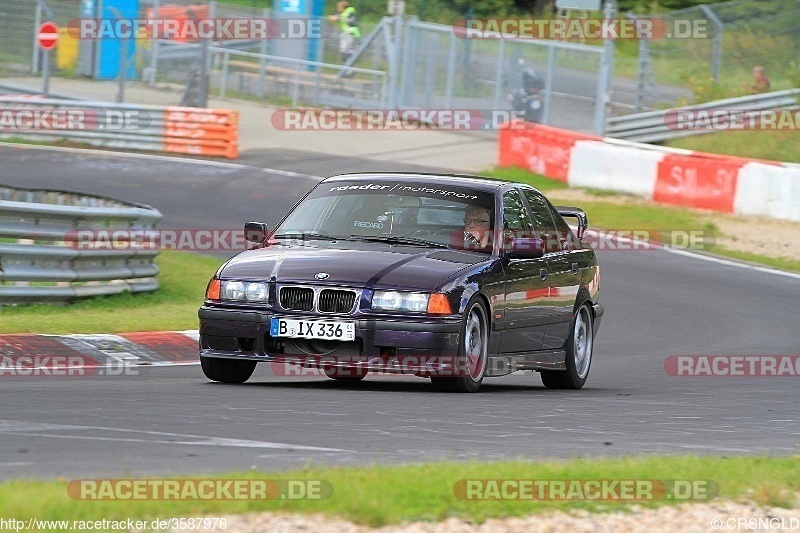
[(599, 311), (409, 343)]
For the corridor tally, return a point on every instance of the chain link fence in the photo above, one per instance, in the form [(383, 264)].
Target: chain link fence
[(716, 59), (401, 62)]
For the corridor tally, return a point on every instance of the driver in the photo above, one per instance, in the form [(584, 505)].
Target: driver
[(477, 227)]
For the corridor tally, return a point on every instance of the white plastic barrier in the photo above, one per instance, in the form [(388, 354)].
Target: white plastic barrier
[(769, 190), (596, 164)]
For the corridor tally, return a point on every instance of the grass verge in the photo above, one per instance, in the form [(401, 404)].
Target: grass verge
[(778, 145), (183, 280), (380, 495)]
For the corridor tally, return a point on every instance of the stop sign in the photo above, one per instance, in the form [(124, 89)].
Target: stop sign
[(47, 36)]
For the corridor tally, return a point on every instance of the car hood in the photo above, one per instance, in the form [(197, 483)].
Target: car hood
[(352, 264)]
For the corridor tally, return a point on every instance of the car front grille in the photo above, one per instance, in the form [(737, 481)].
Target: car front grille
[(336, 301), (297, 298), (294, 298)]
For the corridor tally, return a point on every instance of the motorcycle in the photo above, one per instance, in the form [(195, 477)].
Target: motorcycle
[(527, 101)]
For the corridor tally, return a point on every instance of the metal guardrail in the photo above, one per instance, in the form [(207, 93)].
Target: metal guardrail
[(654, 126), (188, 130), (324, 81), (42, 261)]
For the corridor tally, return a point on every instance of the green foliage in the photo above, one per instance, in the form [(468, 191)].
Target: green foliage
[(778, 145), (705, 89)]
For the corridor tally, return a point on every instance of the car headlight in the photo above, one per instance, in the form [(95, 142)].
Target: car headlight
[(415, 302), (245, 291)]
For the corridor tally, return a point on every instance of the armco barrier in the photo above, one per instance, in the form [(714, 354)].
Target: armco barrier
[(654, 126), (185, 130), (37, 262), (672, 176)]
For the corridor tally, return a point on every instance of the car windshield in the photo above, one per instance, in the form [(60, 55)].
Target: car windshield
[(406, 213)]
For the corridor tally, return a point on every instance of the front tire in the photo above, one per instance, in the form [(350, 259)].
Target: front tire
[(227, 370), (472, 352), (579, 354)]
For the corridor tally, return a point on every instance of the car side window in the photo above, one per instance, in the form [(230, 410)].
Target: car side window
[(516, 221), (543, 220)]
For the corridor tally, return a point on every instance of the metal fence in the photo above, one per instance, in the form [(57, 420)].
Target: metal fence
[(41, 260), (401, 62), (717, 61), (440, 70)]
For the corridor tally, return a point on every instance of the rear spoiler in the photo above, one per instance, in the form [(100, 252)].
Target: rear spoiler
[(575, 212)]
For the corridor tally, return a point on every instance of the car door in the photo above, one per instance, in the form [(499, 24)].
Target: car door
[(563, 265), (526, 284)]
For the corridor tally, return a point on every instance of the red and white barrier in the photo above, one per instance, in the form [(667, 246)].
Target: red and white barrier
[(678, 177)]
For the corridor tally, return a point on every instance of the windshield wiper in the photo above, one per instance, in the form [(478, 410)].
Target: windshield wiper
[(399, 240), (310, 236)]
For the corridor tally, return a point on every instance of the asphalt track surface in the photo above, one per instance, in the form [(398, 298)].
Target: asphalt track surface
[(172, 420)]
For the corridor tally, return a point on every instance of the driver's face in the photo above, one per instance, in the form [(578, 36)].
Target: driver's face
[(477, 222)]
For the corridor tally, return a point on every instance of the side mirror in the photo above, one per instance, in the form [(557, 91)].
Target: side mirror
[(578, 213), (255, 231), (526, 248)]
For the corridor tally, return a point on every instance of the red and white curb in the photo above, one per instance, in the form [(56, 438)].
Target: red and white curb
[(32, 354)]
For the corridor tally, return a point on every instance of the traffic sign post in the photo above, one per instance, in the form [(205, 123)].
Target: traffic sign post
[(47, 37)]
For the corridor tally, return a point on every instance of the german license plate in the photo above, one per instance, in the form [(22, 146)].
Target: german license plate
[(335, 330)]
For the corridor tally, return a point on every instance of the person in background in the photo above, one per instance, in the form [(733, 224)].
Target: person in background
[(349, 32), (761, 83)]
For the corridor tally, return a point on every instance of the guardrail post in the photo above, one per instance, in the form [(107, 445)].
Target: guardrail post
[(296, 88), (37, 22), (451, 72), (548, 85), (716, 54), (498, 74), (606, 73), (155, 46)]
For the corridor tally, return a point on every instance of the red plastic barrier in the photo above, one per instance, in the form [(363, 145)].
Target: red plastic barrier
[(538, 148), (200, 131), (705, 181), (180, 14)]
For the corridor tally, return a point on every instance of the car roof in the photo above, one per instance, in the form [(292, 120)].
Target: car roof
[(463, 180)]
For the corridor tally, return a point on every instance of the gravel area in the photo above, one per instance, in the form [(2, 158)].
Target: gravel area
[(685, 518)]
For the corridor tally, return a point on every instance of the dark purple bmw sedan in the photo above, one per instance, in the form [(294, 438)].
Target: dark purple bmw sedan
[(452, 278)]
